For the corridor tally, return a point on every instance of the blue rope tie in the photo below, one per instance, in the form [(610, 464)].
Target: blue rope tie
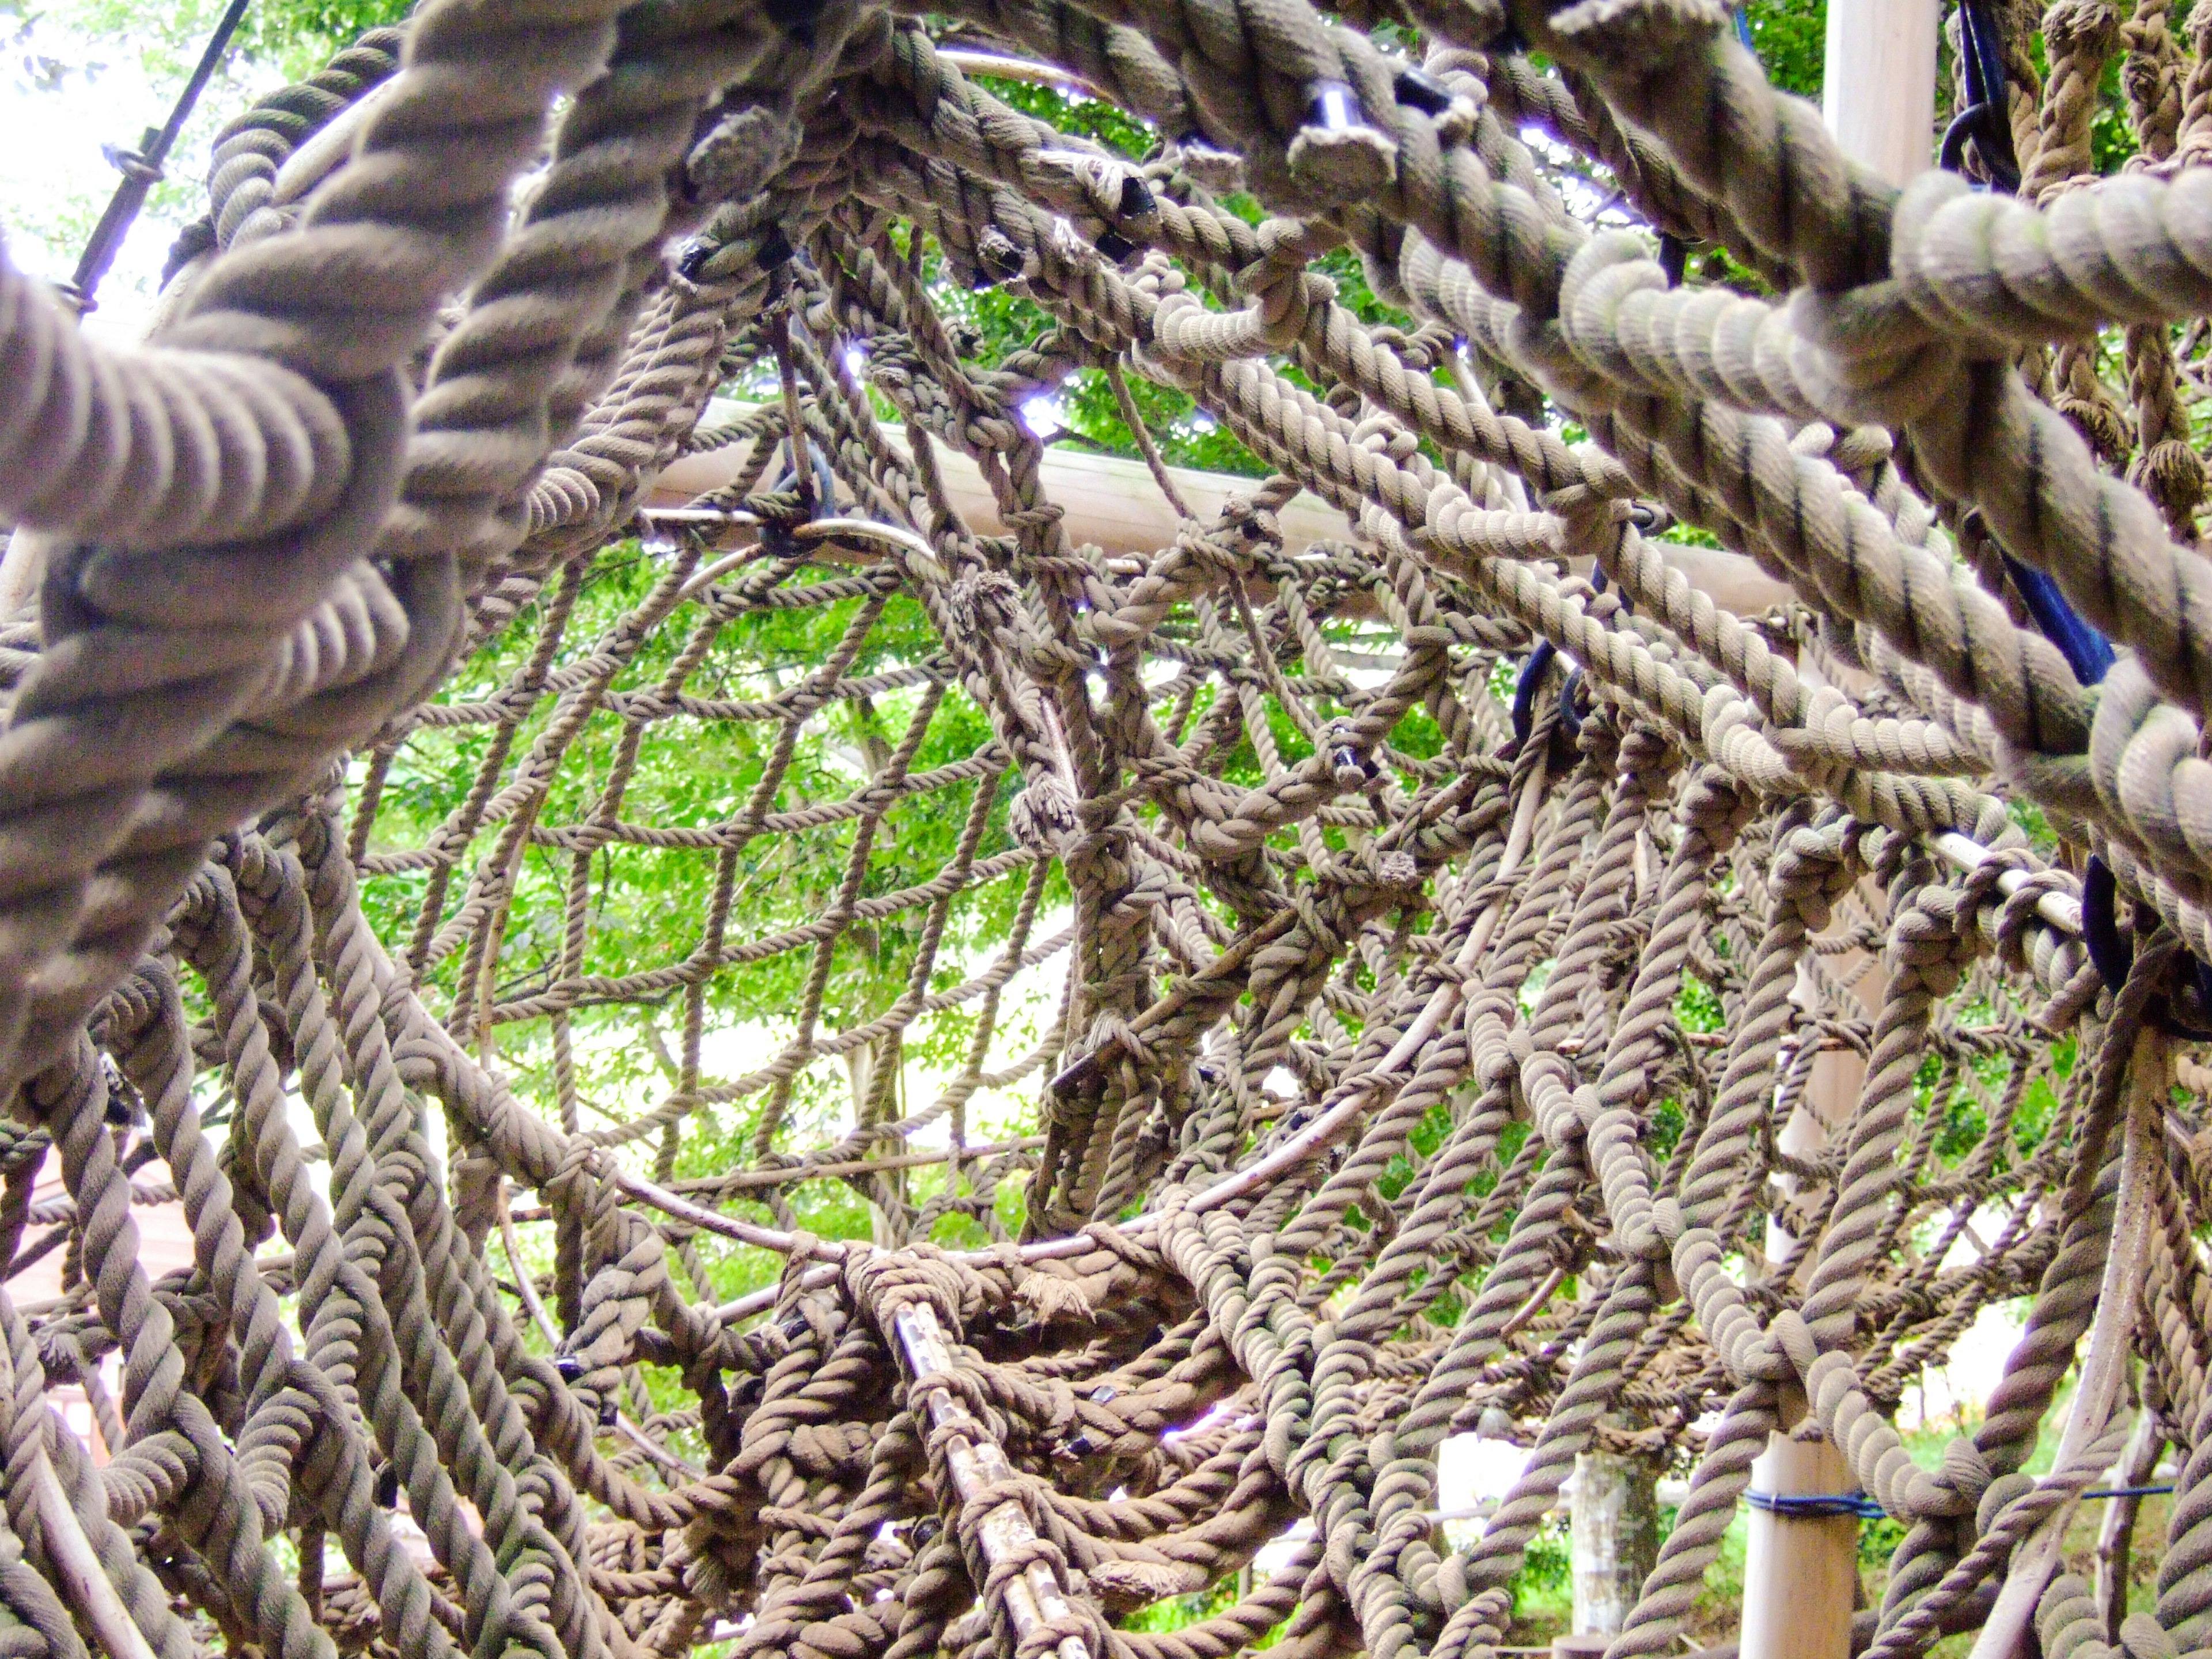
[(1814, 1506), (1808, 1506)]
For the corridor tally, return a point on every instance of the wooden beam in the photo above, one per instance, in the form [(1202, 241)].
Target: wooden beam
[(1114, 504), (1801, 1570), (1109, 500), (1034, 1595)]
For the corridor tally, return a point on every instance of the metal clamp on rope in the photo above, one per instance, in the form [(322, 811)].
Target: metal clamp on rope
[(137, 163), (141, 167)]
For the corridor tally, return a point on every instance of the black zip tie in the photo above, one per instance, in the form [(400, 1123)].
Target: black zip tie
[(142, 170), (2130, 1491), (1570, 714), (2112, 953)]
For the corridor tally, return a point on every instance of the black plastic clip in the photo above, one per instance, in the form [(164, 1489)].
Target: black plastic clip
[(775, 249), (1524, 691), (2185, 1009), (1416, 89)]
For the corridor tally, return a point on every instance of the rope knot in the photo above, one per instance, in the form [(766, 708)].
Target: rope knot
[(986, 603), (1252, 522), (883, 1281), (1978, 885), (740, 153), (1999, 1496), (2173, 475), (1336, 153), (1399, 872), (2017, 916), (1044, 817), (1965, 1471), (1790, 1339), (1931, 938)]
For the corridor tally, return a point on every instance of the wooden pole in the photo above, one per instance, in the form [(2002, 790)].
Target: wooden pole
[(1801, 1572), (1878, 98), (1878, 87), (2116, 1538), (1614, 1537), (979, 1466), (1114, 504), (92, 1596)]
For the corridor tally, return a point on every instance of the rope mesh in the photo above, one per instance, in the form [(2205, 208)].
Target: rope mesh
[(1460, 976)]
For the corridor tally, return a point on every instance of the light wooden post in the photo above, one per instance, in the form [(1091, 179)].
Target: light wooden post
[(21, 568), (1878, 85), (1613, 1534), (1801, 1572), (1113, 503), (1831, 1088)]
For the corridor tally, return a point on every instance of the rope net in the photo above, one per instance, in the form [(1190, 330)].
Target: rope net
[(1371, 1102)]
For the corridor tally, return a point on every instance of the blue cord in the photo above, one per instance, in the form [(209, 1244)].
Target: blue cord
[(2087, 653), (1805, 1506), (1813, 1506)]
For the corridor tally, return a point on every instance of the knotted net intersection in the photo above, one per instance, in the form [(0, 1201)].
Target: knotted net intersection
[(1368, 1114)]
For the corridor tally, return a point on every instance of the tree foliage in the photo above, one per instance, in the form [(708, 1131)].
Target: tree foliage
[(648, 905)]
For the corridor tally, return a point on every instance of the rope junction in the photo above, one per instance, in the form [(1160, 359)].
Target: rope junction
[(1367, 1117)]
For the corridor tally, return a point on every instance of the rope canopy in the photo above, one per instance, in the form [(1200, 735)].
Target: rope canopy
[(1492, 986)]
